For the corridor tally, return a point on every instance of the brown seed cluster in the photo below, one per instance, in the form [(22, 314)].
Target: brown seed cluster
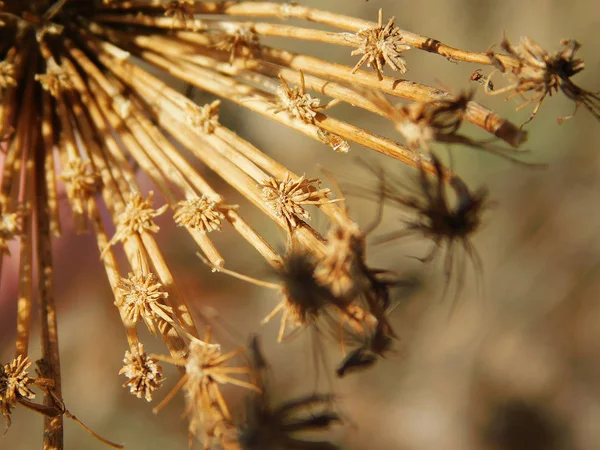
[(538, 73), (287, 197), (55, 80), (144, 375), (7, 74), (379, 46), (201, 213), (182, 11), (140, 299), (14, 381), (10, 228), (81, 180), (241, 41), (137, 218), (204, 117), (296, 101)]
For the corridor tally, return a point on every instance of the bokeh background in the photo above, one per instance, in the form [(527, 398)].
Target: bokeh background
[(515, 368)]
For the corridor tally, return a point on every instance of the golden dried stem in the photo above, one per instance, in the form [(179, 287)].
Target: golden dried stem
[(25, 261), (476, 114), (53, 426), (49, 141), (110, 265), (352, 24), (257, 101)]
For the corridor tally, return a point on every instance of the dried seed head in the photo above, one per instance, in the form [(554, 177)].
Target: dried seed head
[(55, 80), (140, 299), (296, 101), (206, 368), (7, 75), (335, 268), (285, 198), (380, 45), (541, 74), (10, 227), (200, 213), (182, 11), (304, 297), (136, 218), (241, 41), (205, 117), (81, 180), (439, 120), (143, 373), (14, 382)]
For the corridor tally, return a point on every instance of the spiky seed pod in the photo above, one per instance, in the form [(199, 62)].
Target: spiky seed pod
[(144, 375)]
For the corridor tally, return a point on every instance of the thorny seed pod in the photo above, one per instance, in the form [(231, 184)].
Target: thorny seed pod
[(380, 45), (535, 71), (280, 427)]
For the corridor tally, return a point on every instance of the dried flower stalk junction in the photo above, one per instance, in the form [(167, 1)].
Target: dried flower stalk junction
[(73, 97)]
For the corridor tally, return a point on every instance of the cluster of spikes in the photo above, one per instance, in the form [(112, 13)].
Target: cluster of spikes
[(79, 114)]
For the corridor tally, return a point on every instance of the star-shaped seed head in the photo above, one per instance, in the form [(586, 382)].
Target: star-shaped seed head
[(140, 298), (81, 181), (14, 382), (7, 75), (204, 117), (136, 218), (380, 45), (143, 373), (55, 80), (200, 213), (286, 198)]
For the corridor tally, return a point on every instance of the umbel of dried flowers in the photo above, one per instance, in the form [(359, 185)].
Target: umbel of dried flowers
[(78, 112)]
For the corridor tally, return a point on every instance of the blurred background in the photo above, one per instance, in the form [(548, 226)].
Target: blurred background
[(515, 368)]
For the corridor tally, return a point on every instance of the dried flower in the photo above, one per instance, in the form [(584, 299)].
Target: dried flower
[(380, 45), (10, 227), (7, 74), (240, 41), (137, 218), (143, 373), (201, 213), (182, 12), (446, 225), (205, 368), (285, 198), (540, 73), (55, 80), (140, 298), (14, 382), (205, 117), (297, 101), (81, 180)]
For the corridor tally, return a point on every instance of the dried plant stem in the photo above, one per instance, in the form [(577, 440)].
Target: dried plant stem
[(49, 140), (110, 265), (262, 103), (113, 198), (351, 24), (171, 118), (25, 260), (53, 426), (476, 114)]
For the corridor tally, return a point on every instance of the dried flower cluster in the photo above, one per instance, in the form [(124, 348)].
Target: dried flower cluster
[(80, 114)]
